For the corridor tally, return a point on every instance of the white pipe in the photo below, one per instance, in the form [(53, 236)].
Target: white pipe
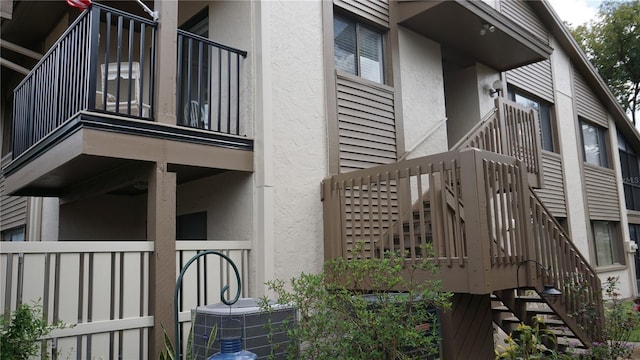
[(153, 14)]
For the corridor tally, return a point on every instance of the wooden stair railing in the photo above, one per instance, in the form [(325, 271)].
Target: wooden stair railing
[(580, 306), (510, 129), (521, 229)]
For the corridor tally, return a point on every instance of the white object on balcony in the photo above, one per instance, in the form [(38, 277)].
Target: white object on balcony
[(196, 116), (128, 73)]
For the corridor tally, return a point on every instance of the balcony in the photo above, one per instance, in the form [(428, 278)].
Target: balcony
[(87, 110)]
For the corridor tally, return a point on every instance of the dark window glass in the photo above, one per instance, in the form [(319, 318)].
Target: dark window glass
[(15, 234), (630, 171), (192, 226)]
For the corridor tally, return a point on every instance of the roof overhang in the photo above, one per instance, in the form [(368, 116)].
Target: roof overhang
[(457, 25)]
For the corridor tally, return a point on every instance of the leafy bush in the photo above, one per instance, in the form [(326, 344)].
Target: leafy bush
[(21, 330), (620, 322), (527, 343), (353, 310)]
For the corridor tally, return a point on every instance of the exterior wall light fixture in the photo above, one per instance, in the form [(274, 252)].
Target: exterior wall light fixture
[(547, 289), (487, 28), (496, 88)]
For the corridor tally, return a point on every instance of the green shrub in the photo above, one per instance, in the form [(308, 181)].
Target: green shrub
[(353, 310), (21, 331), (527, 343)]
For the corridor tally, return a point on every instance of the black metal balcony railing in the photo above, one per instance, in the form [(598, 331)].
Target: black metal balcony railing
[(208, 84), (104, 61)]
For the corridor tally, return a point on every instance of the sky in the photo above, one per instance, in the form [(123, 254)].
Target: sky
[(576, 12)]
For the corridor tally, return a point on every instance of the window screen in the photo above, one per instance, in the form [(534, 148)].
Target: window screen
[(358, 49)]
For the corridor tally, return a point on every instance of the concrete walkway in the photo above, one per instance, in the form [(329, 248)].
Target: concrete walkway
[(636, 352)]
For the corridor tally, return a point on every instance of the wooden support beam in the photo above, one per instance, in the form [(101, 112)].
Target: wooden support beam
[(20, 50), (161, 229), (13, 66)]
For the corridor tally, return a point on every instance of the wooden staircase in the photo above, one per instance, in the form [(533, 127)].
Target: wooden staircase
[(477, 208), (510, 308)]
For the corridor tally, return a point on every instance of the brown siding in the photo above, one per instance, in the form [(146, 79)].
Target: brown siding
[(373, 10), (534, 78), (588, 104), (523, 14), (552, 195), (602, 193), (13, 209), (367, 133), (467, 331)]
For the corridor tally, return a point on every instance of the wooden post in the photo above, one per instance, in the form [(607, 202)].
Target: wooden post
[(477, 234), (166, 62), (161, 228)]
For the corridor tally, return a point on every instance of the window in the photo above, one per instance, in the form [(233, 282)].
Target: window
[(544, 114), (358, 49), (15, 234), (594, 144), (605, 243), (630, 173)]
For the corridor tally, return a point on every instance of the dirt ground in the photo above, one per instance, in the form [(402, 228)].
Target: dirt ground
[(636, 353)]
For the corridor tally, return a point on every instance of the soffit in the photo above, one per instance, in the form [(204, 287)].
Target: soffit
[(456, 26)]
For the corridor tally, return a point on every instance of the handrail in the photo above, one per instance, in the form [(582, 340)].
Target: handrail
[(473, 131), (225, 288), (553, 247), (423, 138), (212, 43)]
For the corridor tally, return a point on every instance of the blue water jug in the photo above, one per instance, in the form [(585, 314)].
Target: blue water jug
[(231, 349)]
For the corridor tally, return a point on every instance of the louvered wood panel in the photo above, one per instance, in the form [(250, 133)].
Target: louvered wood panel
[(535, 78), (602, 193), (552, 194), (373, 10), (588, 104), (467, 329), (523, 14), (366, 123), (13, 209)]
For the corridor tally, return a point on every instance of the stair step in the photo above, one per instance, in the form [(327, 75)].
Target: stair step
[(542, 311), (530, 298)]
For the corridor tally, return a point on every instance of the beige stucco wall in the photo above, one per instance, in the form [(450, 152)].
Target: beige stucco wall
[(227, 199), (291, 133), (486, 77), (463, 108), (424, 121), (106, 217)]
